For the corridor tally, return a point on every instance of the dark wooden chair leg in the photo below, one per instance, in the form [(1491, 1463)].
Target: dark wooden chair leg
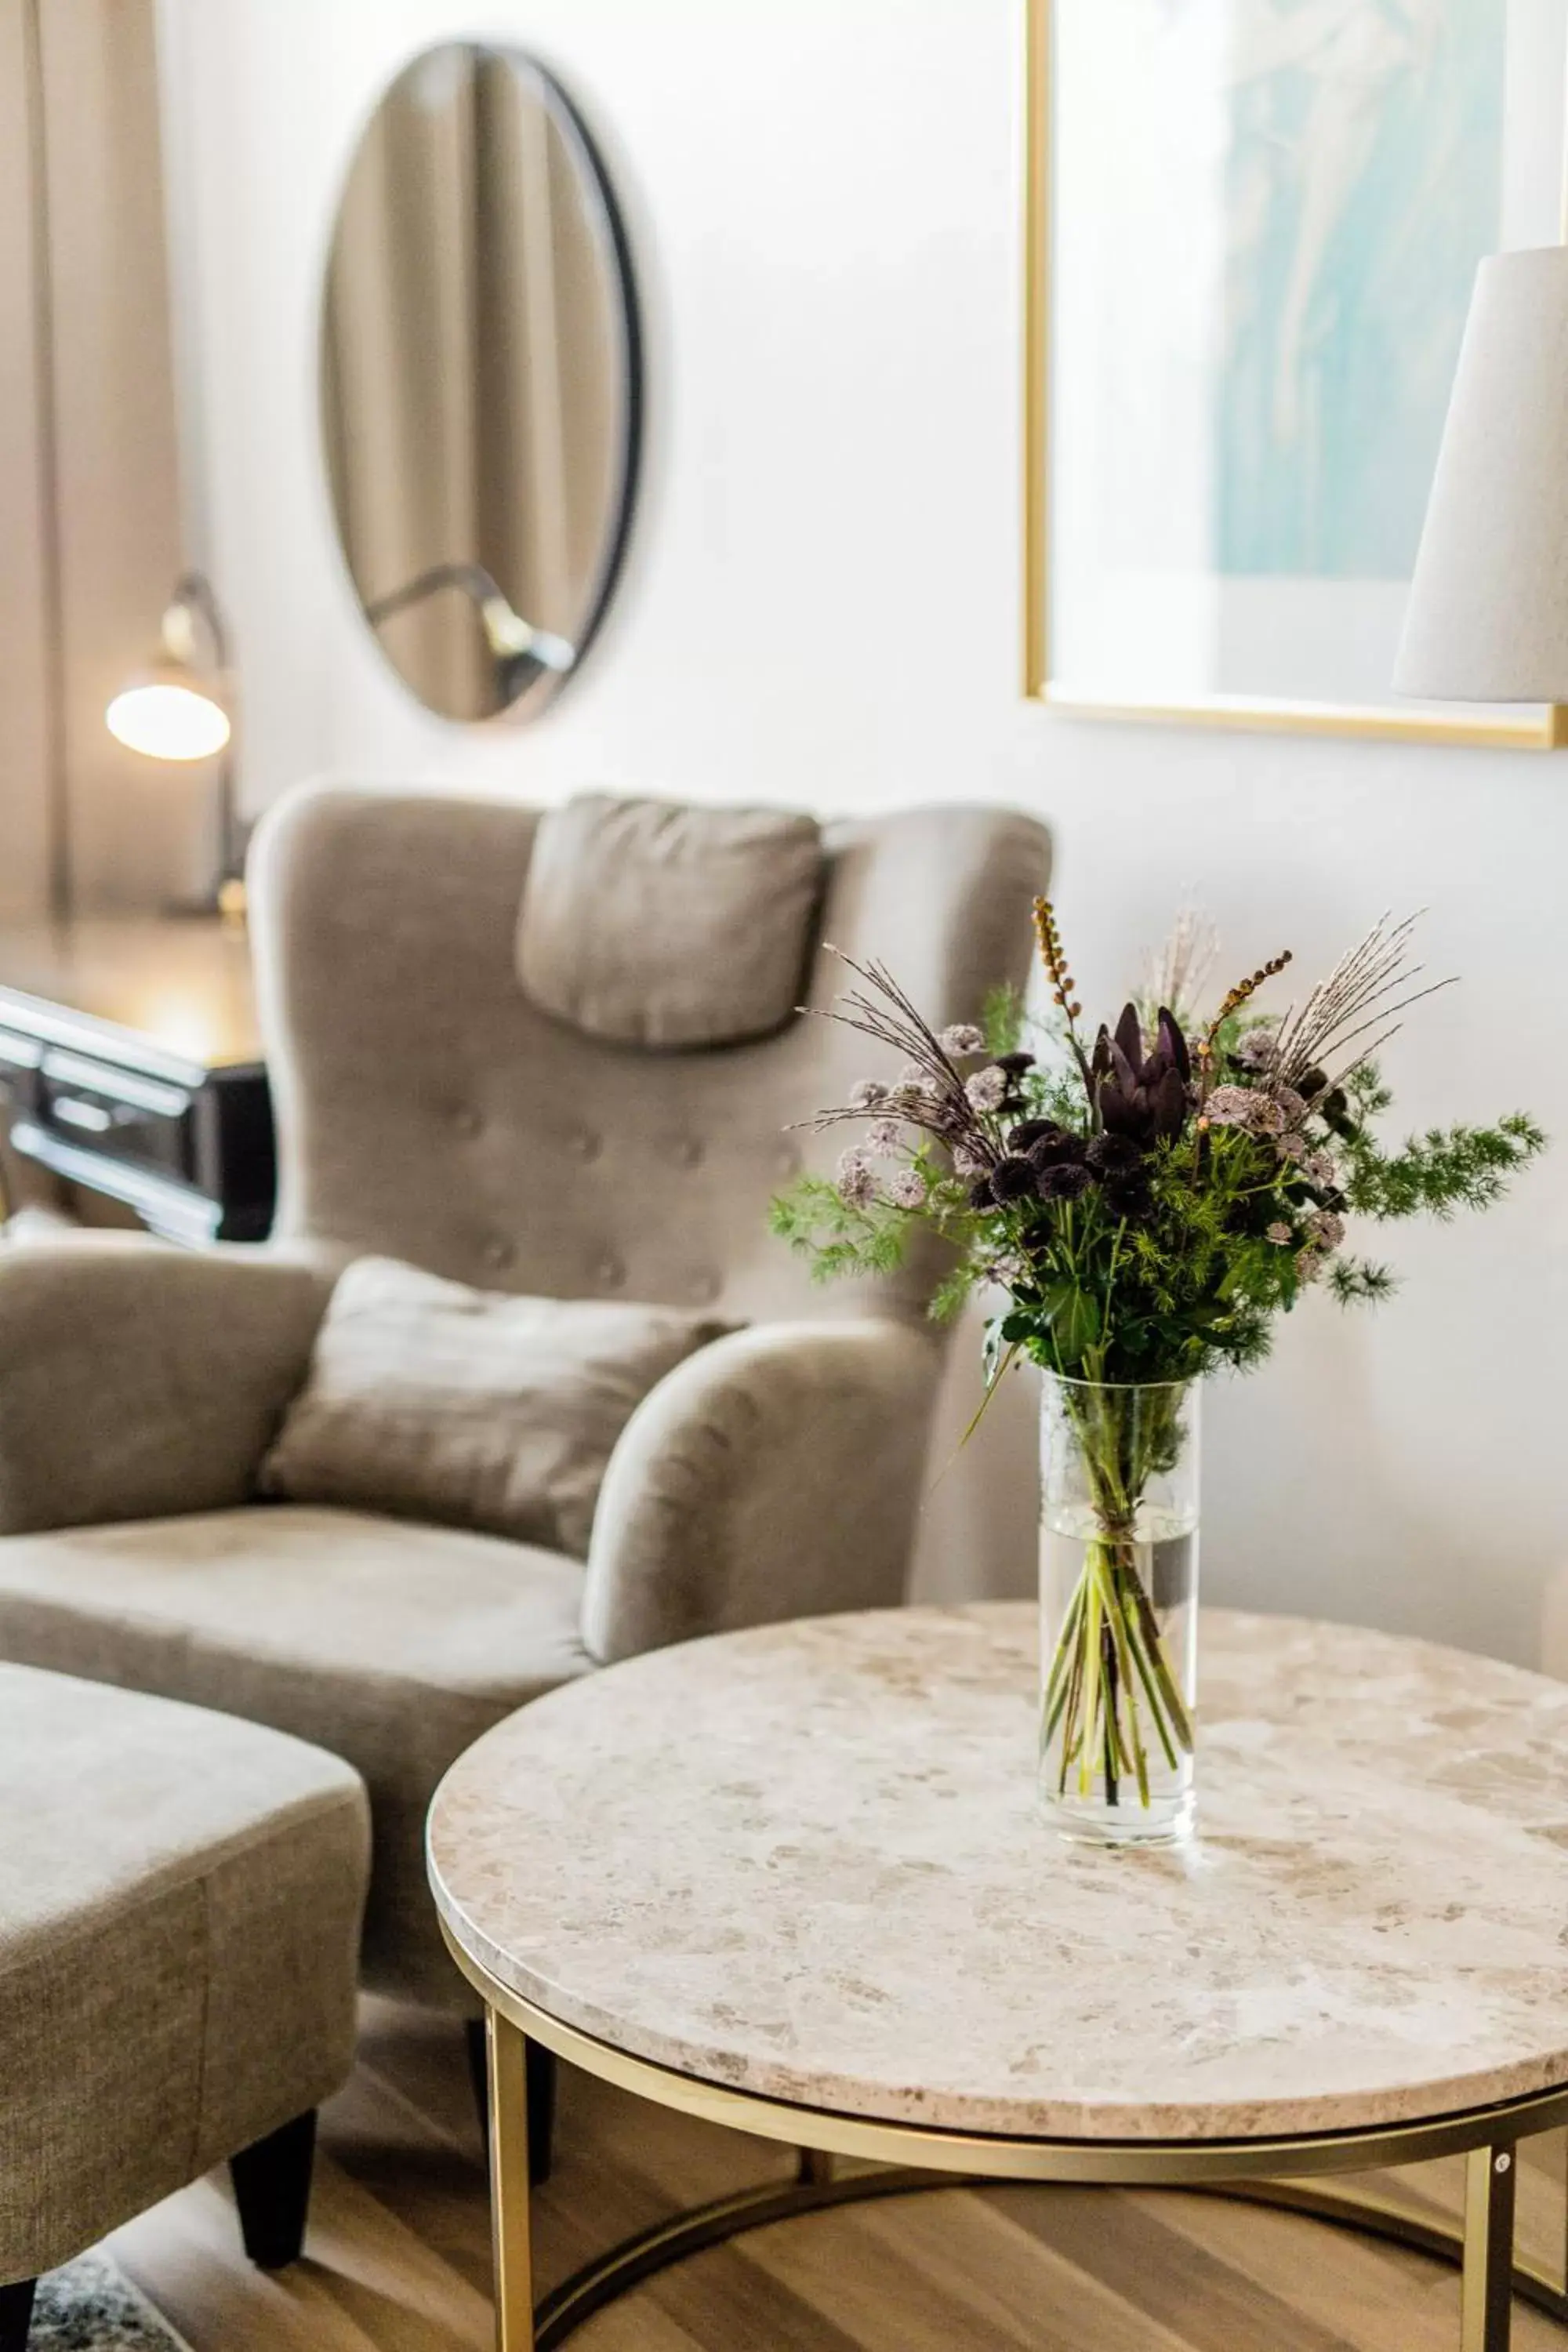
[(16, 2314), (272, 2189), (541, 2085)]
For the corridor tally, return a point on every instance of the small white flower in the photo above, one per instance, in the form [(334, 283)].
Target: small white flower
[(1290, 1147), (1249, 1107), (968, 1163), (857, 1184), (1255, 1050), (1320, 1168), (1309, 1265), (906, 1189), (1279, 1234), (987, 1089), (1291, 1104), (963, 1037), (1327, 1230), (868, 1095), (884, 1136), (1230, 1107)]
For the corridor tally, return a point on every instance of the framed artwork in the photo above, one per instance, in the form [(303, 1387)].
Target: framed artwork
[(1252, 230)]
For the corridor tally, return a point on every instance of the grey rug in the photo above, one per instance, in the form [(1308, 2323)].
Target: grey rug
[(91, 2307)]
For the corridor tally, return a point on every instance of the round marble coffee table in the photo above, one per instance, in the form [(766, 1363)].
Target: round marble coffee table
[(794, 1879)]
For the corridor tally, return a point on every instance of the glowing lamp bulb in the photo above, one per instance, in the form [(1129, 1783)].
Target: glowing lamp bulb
[(165, 720)]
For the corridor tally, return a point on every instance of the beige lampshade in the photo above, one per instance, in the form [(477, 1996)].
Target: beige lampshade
[(168, 712), (1487, 617)]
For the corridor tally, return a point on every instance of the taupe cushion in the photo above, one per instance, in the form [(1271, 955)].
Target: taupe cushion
[(470, 1407), (180, 1901), (393, 1645), (653, 924)]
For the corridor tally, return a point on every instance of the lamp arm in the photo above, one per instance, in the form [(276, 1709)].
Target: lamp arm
[(472, 578), (511, 638), (193, 596)]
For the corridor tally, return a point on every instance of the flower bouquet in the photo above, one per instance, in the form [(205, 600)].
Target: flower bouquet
[(1149, 1201)]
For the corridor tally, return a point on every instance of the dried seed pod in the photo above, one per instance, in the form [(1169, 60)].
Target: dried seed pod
[(1240, 995)]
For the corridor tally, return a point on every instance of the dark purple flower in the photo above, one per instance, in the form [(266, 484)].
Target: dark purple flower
[(1029, 1131), (981, 1195), (1112, 1155), (1014, 1179), (1128, 1195), (1141, 1095), (1015, 1064), (1059, 1149), (1068, 1180), (1170, 1042)]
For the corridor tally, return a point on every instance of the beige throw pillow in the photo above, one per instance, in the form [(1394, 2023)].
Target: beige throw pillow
[(669, 928), (435, 1402)]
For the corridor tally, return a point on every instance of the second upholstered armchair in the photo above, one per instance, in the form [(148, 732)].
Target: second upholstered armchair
[(549, 1055)]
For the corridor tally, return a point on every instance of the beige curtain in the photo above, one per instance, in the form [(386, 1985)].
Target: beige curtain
[(90, 524), (472, 396)]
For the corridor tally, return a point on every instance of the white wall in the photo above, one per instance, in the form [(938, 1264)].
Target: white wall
[(822, 605)]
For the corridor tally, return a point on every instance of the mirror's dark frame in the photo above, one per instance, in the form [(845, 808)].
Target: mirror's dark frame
[(632, 369), (546, 688)]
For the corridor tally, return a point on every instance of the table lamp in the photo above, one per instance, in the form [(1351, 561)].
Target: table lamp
[(1487, 616), (178, 707), (519, 650)]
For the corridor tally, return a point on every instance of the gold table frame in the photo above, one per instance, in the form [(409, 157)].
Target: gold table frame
[(914, 2157)]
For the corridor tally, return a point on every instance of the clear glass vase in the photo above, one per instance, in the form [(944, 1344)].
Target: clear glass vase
[(1118, 1593)]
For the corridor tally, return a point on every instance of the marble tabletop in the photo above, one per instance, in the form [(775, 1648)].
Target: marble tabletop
[(806, 1862)]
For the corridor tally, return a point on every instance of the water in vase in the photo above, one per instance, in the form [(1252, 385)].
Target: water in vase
[(1119, 1666)]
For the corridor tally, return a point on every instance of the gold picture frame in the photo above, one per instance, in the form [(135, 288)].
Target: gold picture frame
[(1511, 729)]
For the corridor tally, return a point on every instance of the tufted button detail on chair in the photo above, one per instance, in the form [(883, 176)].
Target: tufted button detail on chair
[(497, 1251), (465, 1121), (583, 1144), (610, 1271)]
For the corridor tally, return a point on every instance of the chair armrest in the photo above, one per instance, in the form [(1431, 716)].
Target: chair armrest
[(138, 1380), (775, 1473)]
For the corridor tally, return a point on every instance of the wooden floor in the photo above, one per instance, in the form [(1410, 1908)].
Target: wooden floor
[(398, 2255)]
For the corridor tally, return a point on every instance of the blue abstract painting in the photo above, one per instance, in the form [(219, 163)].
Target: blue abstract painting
[(1363, 184)]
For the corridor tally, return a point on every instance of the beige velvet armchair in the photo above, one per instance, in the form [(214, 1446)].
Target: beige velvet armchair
[(429, 1110)]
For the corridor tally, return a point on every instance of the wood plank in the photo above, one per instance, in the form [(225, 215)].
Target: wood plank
[(1371, 2293), (967, 2271), (1130, 2244)]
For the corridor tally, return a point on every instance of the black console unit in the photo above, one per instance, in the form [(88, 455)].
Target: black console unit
[(130, 1064)]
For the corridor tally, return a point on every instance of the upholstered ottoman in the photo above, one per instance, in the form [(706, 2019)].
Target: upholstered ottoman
[(180, 1903)]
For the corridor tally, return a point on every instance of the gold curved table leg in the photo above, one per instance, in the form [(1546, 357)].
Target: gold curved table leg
[(1483, 2250), (509, 2234)]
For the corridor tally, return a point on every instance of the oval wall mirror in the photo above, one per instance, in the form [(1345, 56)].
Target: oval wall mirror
[(479, 381)]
